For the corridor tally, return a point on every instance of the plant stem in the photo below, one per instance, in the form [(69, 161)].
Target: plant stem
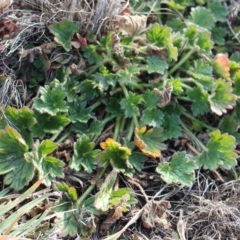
[(192, 136), (134, 115), (184, 98), (64, 137), (130, 130), (186, 86), (116, 130), (183, 111), (182, 61), (91, 187), (95, 105)]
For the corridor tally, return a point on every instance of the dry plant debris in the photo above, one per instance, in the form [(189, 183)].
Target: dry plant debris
[(128, 111)]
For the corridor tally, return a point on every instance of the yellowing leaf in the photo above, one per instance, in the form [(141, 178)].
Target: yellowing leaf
[(149, 141), (110, 144), (220, 65), (117, 155)]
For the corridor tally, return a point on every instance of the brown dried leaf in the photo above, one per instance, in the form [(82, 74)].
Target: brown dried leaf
[(154, 50), (164, 96), (5, 3), (154, 214), (117, 46), (131, 24), (67, 144), (114, 214)]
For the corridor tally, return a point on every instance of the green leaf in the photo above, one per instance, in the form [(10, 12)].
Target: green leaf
[(48, 124), (171, 126), (62, 74), (79, 112), (72, 88), (150, 100), (137, 159), (235, 57), (20, 118), (71, 191), (115, 154), (199, 98), (176, 84), (64, 32), (130, 104), (161, 37), (90, 53), (218, 35), (48, 167), (199, 38), (12, 163), (219, 11), (51, 100), (219, 152), (46, 147), (20, 174), (150, 142), (202, 17), (68, 222), (54, 168), (236, 88), (155, 64), (118, 195), (180, 170), (237, 112), (11, 141), (221, 97), (103, 196), (89, 89), (128, 76), (152, 117), (84, 155), (204, 41), (228, 125), (94, 129), (114, 108), (202, 72), (104, 82), (176, 24)]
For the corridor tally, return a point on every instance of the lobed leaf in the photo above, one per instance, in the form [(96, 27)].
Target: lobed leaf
[(84, 155), (115, 154), (64, 32), (200, 103), (48, 124), (221, 98), (12, 163), (150, 142), (152, 117), (155, 64), (180, 170), (51, 100), (203, 17), (130, 104), (171, 126), (219, 152)]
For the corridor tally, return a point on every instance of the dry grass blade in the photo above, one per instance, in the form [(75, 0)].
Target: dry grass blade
[(90, 14), (11, 93), (209, 210)]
